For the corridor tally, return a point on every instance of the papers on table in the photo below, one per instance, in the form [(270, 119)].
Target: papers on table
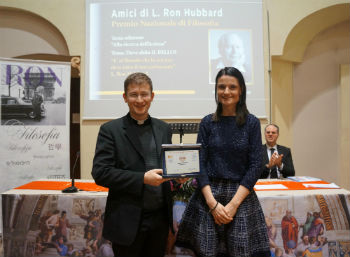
[(294, 183), (311, 185), (303, 179), (270, 186)]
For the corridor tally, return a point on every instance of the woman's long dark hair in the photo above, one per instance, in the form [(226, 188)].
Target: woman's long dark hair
[(241, 108)]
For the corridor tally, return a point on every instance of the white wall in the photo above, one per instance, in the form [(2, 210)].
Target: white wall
[(24, 33), (312, 99), (316, 104)]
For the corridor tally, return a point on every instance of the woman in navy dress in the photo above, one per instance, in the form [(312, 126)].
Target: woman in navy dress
[(224, 216)]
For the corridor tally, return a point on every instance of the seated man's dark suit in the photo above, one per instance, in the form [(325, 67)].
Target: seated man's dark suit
[(287, 160), (119, 165)]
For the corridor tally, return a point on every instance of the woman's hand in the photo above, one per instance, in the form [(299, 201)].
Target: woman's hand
[(220, 215), (231, 210), (232, 207), (216, 209)]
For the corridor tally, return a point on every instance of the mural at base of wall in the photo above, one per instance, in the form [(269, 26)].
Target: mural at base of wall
[(62, 225)]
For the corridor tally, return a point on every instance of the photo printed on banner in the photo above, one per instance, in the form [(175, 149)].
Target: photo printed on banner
[(34, 130)]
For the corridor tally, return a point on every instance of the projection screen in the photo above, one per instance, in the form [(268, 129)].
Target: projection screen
[(180, 44)]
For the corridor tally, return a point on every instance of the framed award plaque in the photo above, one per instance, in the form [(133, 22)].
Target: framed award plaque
[(180, 160)]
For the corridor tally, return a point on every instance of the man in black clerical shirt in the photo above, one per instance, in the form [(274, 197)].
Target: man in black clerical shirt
[(277, 159), (128, 162)]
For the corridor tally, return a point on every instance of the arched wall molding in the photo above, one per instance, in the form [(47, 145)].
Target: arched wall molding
[(20, 19), (294, 47), (304, 31), (320, 106), (284, 15), (320, 48)]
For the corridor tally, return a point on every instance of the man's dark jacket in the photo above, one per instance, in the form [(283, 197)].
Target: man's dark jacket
[(120, 166), (287, 160)]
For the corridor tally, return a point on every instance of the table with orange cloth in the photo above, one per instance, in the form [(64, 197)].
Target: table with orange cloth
[(36, 214)]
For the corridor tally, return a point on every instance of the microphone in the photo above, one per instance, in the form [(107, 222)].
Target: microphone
[(72, 188)]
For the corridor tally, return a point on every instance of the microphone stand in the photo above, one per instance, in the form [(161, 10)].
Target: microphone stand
[(181, 132), (72, 188)]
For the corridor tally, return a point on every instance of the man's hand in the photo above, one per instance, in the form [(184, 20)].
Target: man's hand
[(154, 178), (270, 164), (278, 161), (275, 160)]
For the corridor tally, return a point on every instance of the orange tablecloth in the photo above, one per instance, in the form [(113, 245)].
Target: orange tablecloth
[(291, 185), (91, 186), (60, 185)]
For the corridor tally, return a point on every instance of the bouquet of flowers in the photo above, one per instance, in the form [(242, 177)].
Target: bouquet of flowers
[(183, 192)]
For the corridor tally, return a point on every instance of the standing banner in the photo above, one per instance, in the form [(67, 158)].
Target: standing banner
[(34, 127)]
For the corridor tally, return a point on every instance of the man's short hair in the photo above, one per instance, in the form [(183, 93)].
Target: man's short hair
[(137, 78), (271, 124)]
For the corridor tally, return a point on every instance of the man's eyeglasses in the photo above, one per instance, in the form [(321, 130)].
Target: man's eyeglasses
[(142, 95)]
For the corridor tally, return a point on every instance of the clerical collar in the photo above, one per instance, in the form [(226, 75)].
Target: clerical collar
[(141, 122)]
